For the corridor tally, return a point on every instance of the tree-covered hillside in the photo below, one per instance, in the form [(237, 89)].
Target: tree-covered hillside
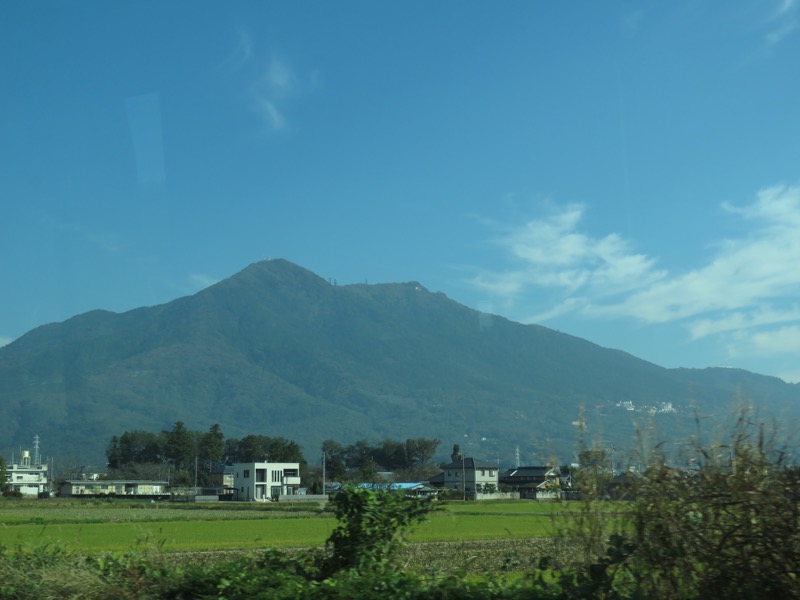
[(279, 351)]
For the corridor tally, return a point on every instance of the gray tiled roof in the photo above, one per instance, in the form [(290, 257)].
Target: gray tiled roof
[(471, 464)]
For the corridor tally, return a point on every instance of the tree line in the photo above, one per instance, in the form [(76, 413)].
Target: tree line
[(362, 460), (182, 455)]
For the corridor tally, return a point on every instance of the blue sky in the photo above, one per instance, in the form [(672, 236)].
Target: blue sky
[(626, 172)]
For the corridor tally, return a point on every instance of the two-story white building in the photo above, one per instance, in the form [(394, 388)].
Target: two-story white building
[(265, 480), (28, 477), (471, 476)]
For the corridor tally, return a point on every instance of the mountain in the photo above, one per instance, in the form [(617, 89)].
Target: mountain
[(279, 351)]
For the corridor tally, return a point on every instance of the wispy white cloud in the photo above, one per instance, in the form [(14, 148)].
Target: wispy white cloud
[(782, 340), (200, 281), (785, 7), (279, 76), (744, 275), (272, 85), (778, 344), (104, 240), (554, 254), (780, 24), (242, 51), (270, 114), (738, 321), (4, 340), (745, 294)]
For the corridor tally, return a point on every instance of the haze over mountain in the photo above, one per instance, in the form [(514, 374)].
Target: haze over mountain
[(279, 351)]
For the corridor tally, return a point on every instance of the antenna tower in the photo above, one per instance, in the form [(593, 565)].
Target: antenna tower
[(37, 457)]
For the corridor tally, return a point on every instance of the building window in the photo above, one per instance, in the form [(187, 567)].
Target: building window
[(246, 473), (277, 476)]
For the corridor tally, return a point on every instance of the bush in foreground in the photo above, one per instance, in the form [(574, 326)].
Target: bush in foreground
[(725, 526)]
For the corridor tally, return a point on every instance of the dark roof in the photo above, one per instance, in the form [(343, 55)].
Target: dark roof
[(93, 482), (471, 464), (526, 472)]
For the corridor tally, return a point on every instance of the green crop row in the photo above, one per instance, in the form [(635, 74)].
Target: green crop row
[(180, 535)]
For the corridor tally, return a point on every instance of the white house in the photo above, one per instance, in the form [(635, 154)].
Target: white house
[(28, 477), (265, 481), (471, 476), (534, 482)]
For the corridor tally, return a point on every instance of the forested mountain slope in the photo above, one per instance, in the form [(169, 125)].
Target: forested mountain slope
[(277, 350)]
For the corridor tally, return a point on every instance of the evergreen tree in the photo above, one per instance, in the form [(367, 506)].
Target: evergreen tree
[(391, 455), (259, 448), (367, 472), (113, 453), (212, 446), (420, 451), (335, 467), (456, 454), (135, 447), (180, 447), (279, 449), (357, 454)]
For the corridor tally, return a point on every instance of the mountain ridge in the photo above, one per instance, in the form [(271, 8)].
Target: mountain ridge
[(275, 349)]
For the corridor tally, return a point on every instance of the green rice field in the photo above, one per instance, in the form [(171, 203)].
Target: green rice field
[(101, 527)]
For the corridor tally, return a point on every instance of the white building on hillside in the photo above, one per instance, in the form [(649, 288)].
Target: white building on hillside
[(265, 481), (29, 476)]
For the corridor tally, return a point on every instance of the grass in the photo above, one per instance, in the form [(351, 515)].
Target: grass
[(113, 527), (105, 511), (172, 535), (456, 526), (525, 507)]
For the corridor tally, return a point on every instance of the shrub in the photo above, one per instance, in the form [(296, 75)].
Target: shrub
[(727, 526), (370, 526)]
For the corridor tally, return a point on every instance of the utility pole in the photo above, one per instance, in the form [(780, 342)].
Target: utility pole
[(463, 479), (323, 472)]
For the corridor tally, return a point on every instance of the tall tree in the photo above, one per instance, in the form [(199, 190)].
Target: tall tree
[(180, 447), (280, 449), (357, 454), (135, 447), (251, 448), (391, 455), (113, 453), (212, 447), (456, 455), (258, 448), (2, 473), (367, 472), (420, 451), (335, 466)]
